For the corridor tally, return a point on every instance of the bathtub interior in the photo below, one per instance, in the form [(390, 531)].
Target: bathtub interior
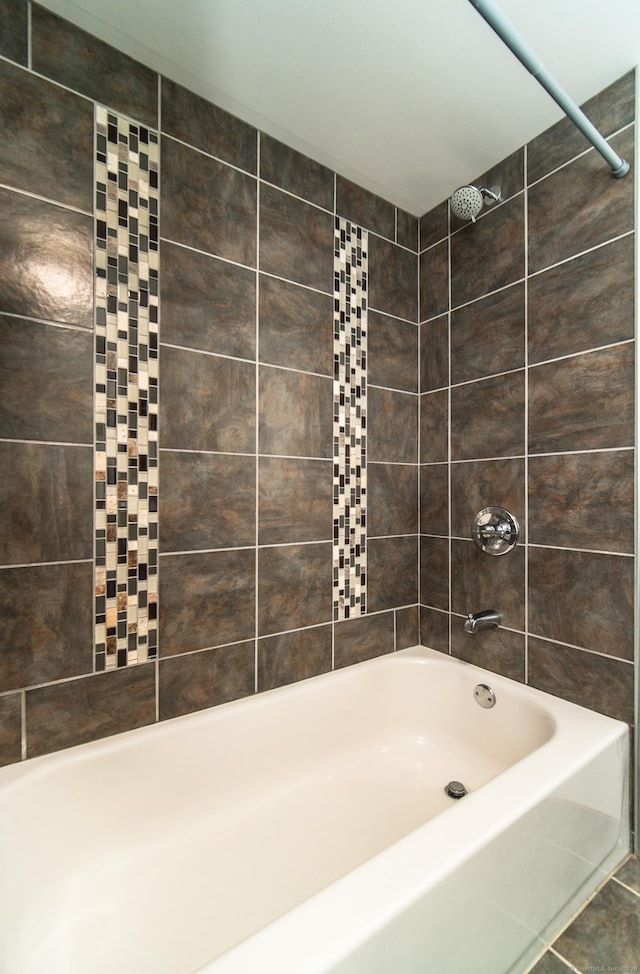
[(306, 784)]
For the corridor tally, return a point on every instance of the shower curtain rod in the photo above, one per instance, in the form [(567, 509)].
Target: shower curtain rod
[(517, 44)]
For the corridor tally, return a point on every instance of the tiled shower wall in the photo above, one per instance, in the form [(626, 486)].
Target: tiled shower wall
[(245, 415), (527, 402)]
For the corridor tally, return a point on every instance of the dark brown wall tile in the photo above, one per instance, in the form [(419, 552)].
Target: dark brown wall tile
[(207, 205), (498, 650), (579, 206), (89, 708), (407, 230), (583, 403), (296, 240), (296, 414), (481, 582), (47, 624), (46, 503), (200, 680), (294, 587), (392, 353), (486, 483), (207, 303), (487, 336), (296, 173), (10, 727), (392, 573), (392, 422), (356, 640), (365, 208), (296, 327), (434, 629), (582, 500), (582, 598), (434, 281), (63, 52), (583, 303), (46, 377), (587, 679), (209, 402), (14, 30), (407, 627), (393, 279), (434, 427), (392, 499), (487, 418), (56, 282), (434, 354), (47, 146), (434, 225), (206, 599), (489, 254), (293, 656), (434, 572), (198, 122), (434, 499), (295, 500), (207, 500), (610, 110)]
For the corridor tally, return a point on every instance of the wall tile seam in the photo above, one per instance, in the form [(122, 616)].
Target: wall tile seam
[(556, 453), (580, 155), (46, 199), (486, 294), (83, 676), (432, 245), (389, 314), (47, 564), (393, 463), (195, 148), (225, 260), (588, 551), (212, 647), (529, 544), (248, 361), (65, 326), (576, 256), (402, 392), (580, 649), (586, 351), (382, 537), (379, 236), (261, 456), (27, 442)]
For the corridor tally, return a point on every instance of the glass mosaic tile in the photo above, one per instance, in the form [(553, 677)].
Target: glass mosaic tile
[(349, 421), (126, 391)]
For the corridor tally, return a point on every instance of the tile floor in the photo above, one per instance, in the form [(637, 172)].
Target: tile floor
[(605, 935)]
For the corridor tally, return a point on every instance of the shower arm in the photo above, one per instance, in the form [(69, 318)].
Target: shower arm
[(505, 30)]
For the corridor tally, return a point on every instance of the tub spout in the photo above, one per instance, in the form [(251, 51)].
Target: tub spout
[(486, 619)]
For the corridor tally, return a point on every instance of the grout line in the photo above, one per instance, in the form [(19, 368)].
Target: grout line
[(449, 437), (46, 199), (29, 38), (525, 162), (158, 627), (209, 155), (80, 329), (629, 889), (256, 596), (47, 564), (84, 446), (23, 719)]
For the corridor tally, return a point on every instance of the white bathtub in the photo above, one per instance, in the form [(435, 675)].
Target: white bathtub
[(307, 830)]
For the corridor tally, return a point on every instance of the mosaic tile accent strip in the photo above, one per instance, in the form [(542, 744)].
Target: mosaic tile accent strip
[(349, 421), (126, 392)]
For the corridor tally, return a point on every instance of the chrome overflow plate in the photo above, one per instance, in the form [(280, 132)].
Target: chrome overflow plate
[(495, 530), (484, 696)]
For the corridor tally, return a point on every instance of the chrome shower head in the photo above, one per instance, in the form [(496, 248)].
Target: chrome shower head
[(467, 201)]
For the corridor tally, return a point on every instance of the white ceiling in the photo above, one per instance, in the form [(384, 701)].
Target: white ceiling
[(409, 98)]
